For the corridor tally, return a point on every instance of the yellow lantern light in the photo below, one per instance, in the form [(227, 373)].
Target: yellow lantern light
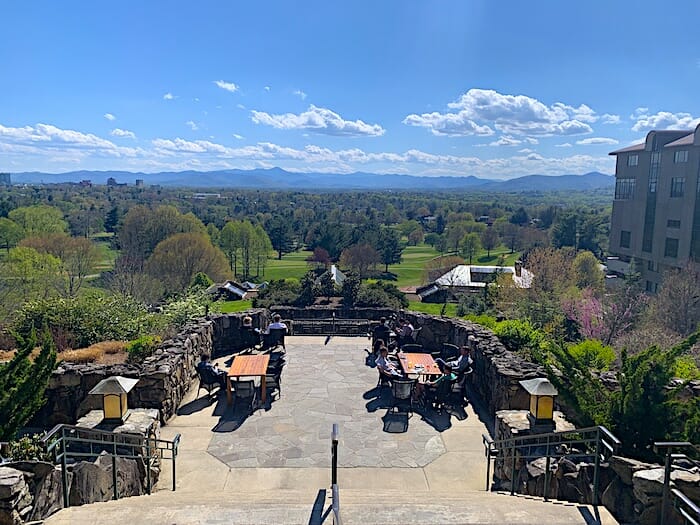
[(542, 394), (114, 392)]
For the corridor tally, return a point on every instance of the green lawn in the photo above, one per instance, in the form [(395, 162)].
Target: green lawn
[(291, 265), (230, 307), (433, 308), (413, 261), (106, 258)]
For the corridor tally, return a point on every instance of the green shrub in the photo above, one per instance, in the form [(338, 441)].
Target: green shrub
[(143, 347), (28, 448), (381, 294), (278, 292), (181, 310), (201, 281), (484, 320), (593, 354), (686, 368), (517, 335)]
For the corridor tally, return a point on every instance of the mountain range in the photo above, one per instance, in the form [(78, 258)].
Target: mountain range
[(277, 178)]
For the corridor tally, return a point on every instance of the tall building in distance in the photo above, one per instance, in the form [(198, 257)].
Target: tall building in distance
[(656, 211), (5, 179)]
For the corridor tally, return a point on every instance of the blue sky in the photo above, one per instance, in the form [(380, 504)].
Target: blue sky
[(492, 89)]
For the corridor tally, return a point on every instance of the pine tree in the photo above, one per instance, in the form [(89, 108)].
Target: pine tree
[(22, 383)]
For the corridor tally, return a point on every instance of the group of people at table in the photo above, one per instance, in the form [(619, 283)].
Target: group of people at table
[(392, 362)]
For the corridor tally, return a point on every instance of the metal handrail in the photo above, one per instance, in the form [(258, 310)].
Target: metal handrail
[(335, 504), (689, 510), (598, 443), (70, 441)]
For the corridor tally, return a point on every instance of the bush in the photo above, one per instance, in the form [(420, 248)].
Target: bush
[(278, 292), (28, 448), (517, 335), (179, 311), (143, 347), (593, 354), (80, 322), (686, 368), (484, 320), (381, 294)]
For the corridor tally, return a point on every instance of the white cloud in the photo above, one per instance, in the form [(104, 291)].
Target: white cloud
[(318, 120), (267, 88), (299, 93), (506, 140), (479, 110), (123, 133), (526, 150), (110, 117), (192, 125), (238, 137), (663, 120), (564, 145), (228, 86), (240, 106), (595, 141), (168, 96), (610, 119)]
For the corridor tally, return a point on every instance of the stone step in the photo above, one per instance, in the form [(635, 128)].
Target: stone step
[(357, 507)]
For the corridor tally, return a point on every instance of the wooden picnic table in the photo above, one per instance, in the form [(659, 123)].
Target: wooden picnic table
[(410, 360), (248, 366)]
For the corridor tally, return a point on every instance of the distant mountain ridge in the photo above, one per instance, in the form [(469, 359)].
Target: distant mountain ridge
[(277, 178)]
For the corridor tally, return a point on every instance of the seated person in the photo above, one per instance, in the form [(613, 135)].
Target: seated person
[(405, 332), (275, 332), (210, 373), (460, 365), (381, 332), (250, 336), (433, 387), (385, 365)]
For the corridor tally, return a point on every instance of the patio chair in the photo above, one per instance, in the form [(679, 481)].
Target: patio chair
[(402, 393), (412, 348), (207, 381), (415, 333), (449, 351), (384, 379), (275, 338), (439, 396), (244, 389)]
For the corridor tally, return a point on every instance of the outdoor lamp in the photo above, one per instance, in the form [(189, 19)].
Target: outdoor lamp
[(114, 392), (542, 394)]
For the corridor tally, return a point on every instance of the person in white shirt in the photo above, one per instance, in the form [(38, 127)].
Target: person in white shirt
[(276, 324), (385, 365)]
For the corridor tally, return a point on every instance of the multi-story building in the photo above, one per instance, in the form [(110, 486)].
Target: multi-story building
[(5, 179), (656, 211)]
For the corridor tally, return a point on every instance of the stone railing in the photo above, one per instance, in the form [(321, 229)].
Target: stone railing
[(164, 378)]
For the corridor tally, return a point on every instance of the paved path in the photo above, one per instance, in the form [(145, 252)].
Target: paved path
[(272, 466)]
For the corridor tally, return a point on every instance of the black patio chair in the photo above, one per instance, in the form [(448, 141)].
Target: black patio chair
[(449, 351), (275, 338), (208, 381), (384, 378), (402, 393), (244, 389), (439, 395), (412, 348)]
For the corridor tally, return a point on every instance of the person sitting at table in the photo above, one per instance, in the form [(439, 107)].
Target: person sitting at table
[(381, 332), (385, 365), (461, 364), (441, 384), (250, 337), (405, 333), (275, 332), (210, 373)]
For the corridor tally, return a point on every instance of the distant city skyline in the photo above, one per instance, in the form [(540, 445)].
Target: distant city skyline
[(459, 88)]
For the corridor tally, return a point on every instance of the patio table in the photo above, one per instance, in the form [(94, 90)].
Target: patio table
[(426, 364), (248, 366)]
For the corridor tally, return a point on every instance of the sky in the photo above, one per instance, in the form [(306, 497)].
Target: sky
[(458, 88)]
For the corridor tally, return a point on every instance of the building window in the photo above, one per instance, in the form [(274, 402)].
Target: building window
[(671, 223), (652, 266), (625, 237), (677, 186), (680, 156), (633, 160), (671, 247), (652, 287), (654, 171), (624, 188)]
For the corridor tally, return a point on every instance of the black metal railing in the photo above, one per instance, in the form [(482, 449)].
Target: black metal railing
[(685, 507), (66, 442), (332, 326), (596, 443)]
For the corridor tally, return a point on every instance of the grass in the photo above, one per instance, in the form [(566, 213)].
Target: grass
[(413, 261), (106, 258), (433, 308), (291, 265), (230, 307)]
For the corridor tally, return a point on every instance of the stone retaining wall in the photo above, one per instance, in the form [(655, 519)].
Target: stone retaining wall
[(164, 378)]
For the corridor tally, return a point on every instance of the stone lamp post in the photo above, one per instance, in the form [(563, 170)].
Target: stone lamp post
[(541, 414), (114, 392)]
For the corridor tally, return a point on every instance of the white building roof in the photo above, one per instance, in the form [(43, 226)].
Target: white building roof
[(467, 276)]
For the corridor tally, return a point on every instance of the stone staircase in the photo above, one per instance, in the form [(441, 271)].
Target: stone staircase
[(358, 507)]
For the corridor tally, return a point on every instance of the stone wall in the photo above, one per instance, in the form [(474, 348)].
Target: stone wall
[(164, 378)]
